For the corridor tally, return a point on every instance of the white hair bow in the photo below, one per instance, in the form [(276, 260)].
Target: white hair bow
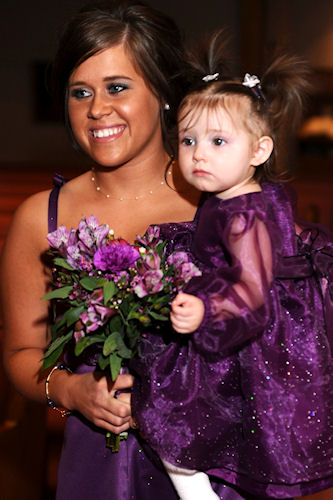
[(250, 80)]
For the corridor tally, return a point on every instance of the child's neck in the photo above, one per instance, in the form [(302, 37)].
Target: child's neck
[(248, 185)]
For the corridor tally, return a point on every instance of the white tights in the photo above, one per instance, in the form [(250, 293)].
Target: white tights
[(190, 484)]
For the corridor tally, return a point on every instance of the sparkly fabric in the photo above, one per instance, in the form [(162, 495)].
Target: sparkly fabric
[(249, 396), (90, 471)]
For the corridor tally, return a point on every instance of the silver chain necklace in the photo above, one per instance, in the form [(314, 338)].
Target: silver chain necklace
[(138, 197)]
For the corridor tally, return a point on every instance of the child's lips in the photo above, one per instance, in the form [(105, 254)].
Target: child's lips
[(200, 172)]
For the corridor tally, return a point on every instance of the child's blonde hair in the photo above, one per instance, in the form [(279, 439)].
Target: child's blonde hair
[(262, 108)]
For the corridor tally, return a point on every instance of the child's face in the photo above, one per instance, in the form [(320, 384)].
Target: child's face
[(215, 153)]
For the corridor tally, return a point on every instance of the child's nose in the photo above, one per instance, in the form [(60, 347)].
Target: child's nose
[(198, 153)]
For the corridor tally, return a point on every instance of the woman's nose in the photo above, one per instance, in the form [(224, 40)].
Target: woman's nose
[(100, 106)]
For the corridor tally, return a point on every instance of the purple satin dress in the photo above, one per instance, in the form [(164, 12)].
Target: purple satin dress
[(90, 471), (248, 397)]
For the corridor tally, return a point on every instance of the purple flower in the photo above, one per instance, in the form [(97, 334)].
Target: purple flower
[(148, 283), (91, 234), (148, 261), (177, 258), (91, 320), (79, 331), (184, 272), (62, 238), (78, 260), (115, 258), (151, 238), (104, 312)]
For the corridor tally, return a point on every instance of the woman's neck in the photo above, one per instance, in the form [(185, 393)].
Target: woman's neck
[(133, 179)]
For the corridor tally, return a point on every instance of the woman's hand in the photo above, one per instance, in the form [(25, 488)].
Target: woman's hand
[(187, 312), (93, 395)]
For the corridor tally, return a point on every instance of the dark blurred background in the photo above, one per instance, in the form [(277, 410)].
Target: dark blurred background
[(34, 145)]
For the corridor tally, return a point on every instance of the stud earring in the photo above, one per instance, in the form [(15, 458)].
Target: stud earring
[(166, 106)]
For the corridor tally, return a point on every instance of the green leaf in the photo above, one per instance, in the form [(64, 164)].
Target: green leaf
[(115, 365), (59, 261), (133, 314), (65, 321), (82, 344), (103, 361), (112, 343), (55, 349), (109, 290), (115, 324), (159, 249), (59, 293), (159, 317), (73, 314), (90, 283)]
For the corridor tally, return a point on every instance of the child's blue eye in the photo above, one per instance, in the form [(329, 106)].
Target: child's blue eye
[(116, 88), (218, 141), (80, 93)]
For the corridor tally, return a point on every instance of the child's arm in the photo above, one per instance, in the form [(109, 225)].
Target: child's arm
[(236, 296), (187, 312)]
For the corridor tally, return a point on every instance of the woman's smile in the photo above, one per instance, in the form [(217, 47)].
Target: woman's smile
[(109, 133)]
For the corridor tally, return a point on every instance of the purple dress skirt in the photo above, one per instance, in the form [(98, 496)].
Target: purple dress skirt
[(248, 397), (90, 471)]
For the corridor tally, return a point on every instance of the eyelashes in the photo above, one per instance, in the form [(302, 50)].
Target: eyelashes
[(189, 141), (112, 89), (117, 88)]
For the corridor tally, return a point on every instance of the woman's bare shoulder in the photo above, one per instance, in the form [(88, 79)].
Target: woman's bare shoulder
[(29, 222)]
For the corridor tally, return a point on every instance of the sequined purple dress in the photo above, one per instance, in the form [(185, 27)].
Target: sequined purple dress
[(249, 396), (90, 471)]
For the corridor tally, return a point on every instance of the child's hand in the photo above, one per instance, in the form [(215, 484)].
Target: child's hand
[(187, 312)]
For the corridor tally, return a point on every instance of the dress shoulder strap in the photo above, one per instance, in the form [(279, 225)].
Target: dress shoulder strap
[(58, 181)]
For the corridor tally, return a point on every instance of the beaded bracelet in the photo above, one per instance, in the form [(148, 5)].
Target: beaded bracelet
[(50, 401)]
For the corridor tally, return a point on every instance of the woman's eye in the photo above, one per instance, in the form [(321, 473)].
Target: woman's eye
[(116, 88), (80, 93), (218, 141), (187, 141)]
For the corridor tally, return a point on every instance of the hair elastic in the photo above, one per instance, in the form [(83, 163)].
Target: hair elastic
[(209, 78), (253, 83)]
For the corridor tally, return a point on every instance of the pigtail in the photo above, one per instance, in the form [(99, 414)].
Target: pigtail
[(209, 57), (285, 86)]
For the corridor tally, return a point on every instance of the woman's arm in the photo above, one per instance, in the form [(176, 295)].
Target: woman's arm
[(24, 280)]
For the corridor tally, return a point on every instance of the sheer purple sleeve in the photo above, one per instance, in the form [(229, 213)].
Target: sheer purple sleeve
[(237, 294)]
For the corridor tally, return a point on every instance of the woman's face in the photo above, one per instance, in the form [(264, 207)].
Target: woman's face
[(114, 116)]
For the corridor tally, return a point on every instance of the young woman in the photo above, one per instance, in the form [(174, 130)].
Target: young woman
[(117, 73)]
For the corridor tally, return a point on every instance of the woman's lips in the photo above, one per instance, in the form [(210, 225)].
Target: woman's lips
[(107, 132)]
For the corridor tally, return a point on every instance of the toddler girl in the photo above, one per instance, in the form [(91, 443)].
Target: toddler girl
[(248, 395)]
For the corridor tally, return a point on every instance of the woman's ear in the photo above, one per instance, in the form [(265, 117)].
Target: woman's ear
[(263, 150)]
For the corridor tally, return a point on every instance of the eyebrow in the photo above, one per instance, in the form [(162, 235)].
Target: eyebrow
[(105, 79)]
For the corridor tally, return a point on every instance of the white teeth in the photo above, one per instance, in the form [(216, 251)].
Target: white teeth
[(106, 132)]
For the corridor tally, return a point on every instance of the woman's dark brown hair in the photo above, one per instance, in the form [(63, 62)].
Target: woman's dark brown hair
[(151, 38)]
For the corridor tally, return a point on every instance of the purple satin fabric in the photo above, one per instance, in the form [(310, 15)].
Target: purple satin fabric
[(90, 471), (249, 398)]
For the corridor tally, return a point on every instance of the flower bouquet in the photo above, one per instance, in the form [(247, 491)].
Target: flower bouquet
[(109, 291)]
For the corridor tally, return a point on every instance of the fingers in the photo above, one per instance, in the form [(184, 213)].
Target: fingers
[(123, 381), (93, 396), (187, 313)]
